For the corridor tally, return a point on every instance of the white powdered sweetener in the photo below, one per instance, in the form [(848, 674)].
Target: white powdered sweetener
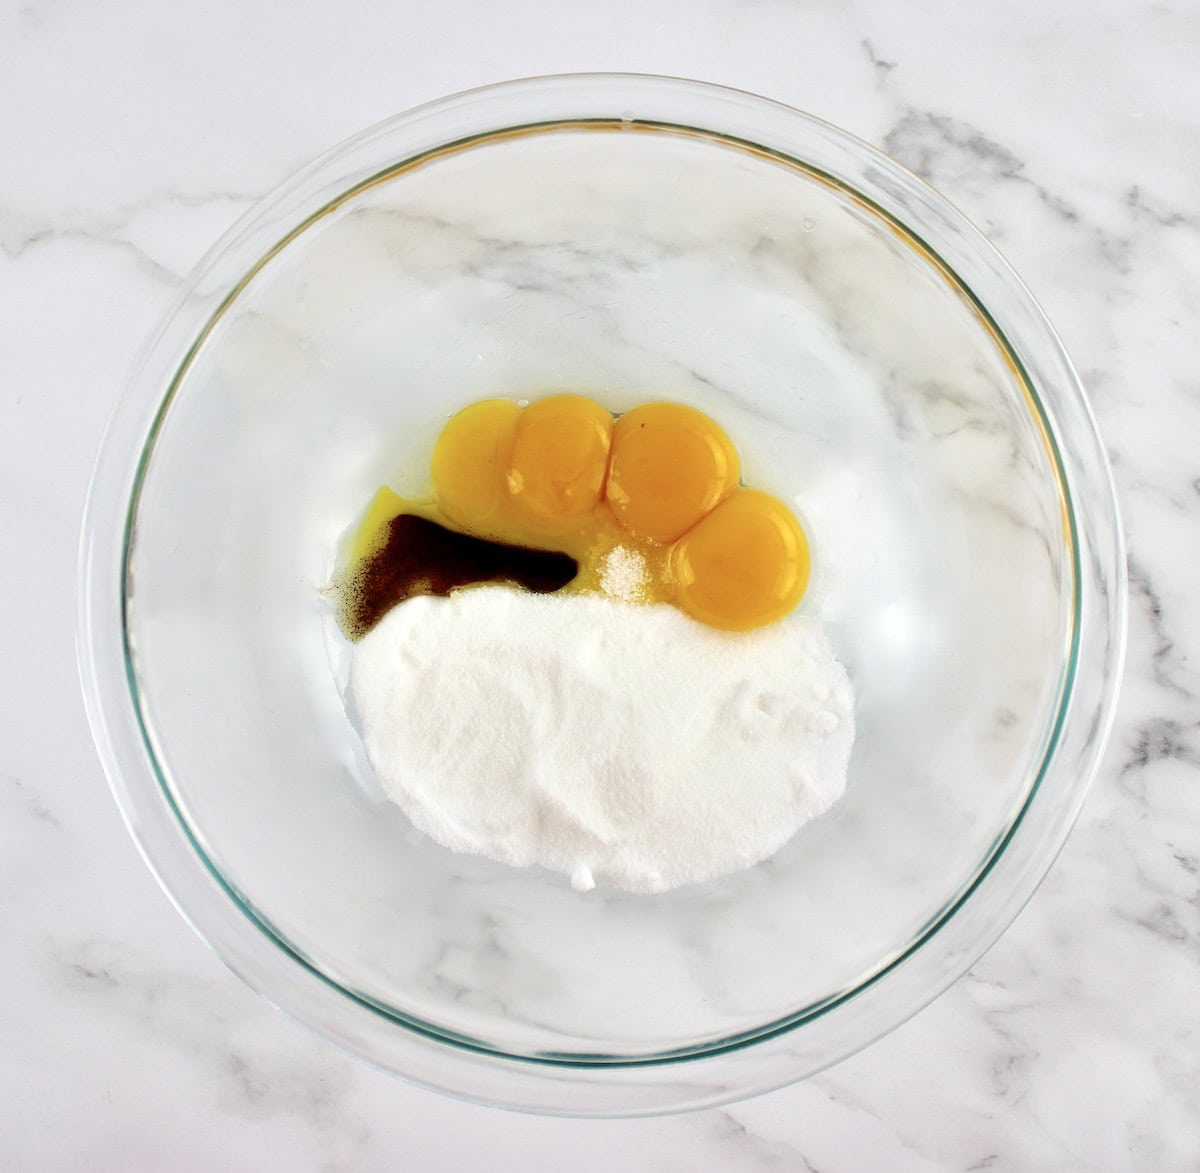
[(628, 745)]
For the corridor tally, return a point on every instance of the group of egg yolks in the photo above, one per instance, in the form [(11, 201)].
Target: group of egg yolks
[(562, 470)]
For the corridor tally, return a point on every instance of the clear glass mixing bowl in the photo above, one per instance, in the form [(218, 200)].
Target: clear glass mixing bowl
[(628, 237)]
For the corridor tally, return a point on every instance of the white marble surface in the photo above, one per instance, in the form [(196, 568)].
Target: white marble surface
[(132, 135)]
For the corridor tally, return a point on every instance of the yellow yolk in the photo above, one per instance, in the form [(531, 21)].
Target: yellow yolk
[(470, 463), (670, 466), (659, 486), (744, 565), (559, 460), (372, 529)]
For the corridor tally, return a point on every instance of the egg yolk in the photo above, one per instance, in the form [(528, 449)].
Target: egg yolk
[(559, 460), (670, 466), (470, 463), (744, 565), (372, 529), (658, 489)]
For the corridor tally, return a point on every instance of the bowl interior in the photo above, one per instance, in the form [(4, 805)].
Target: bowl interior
[(626, 261)]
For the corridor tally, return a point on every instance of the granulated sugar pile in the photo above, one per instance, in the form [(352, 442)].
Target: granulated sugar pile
[(623, 575), (618, 744)]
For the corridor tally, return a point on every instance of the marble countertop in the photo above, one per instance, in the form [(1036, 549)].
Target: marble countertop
[(132, 136)]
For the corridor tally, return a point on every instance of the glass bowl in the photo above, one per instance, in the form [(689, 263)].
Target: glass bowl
[(631, 238)]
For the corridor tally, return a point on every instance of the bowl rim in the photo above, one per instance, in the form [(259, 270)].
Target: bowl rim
[(775, 1054)]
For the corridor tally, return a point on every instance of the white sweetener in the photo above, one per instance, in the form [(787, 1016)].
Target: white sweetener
[(628, 745), (623, 574)]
